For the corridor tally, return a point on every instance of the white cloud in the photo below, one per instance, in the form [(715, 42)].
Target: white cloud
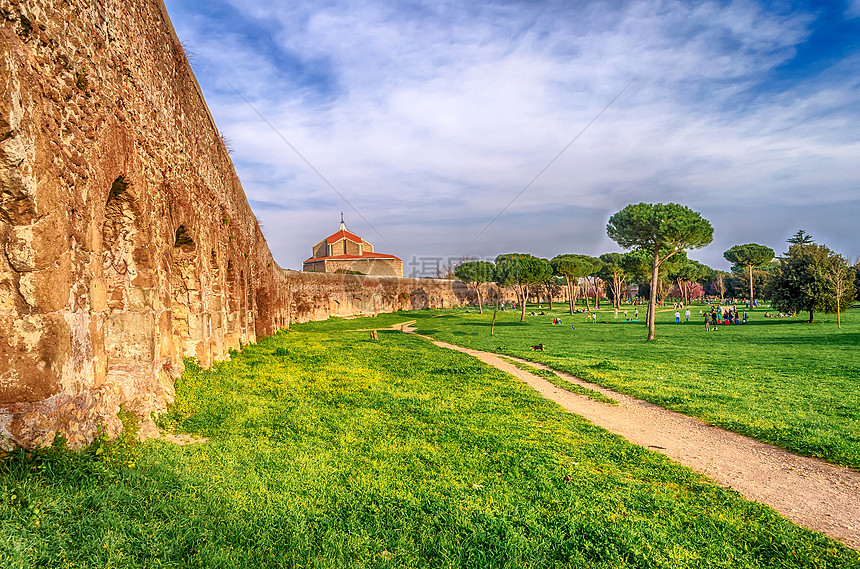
[(429, 119)]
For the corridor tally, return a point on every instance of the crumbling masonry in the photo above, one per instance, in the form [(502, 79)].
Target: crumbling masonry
[(126, 241)]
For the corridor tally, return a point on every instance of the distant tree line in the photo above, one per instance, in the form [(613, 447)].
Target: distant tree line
[(808, 278)]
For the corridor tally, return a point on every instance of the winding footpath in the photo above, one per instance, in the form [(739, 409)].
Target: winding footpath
[(810, 492)]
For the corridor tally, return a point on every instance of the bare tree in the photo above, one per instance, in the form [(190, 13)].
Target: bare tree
[(841, 279)]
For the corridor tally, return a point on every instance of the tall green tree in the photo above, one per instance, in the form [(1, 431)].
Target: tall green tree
[(520, 271), (663, 230), (476, 273), (800, 282), (572, 267), (801, 239), (750, 255)]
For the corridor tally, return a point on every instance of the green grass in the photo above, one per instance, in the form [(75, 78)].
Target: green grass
[(778, 380), (554, 379), (327, 449)]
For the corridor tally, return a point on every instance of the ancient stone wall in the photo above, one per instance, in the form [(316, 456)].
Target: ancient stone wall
[(317, 296), (126, 240)]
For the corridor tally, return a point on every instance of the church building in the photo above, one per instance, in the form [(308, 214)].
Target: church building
[(346, 252)]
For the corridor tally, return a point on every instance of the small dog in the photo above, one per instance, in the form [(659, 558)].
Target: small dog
[(538, 348)]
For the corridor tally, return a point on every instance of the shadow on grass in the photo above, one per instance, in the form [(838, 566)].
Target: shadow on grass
[(833, 338)]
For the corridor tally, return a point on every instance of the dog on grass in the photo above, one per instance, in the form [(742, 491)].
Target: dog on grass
[(538, 348)]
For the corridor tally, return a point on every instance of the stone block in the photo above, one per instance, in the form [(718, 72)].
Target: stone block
[(48, 290), (142, 299), (36, 247), (34, 351), (130, 337)]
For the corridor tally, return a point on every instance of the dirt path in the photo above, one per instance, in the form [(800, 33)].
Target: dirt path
[(810, 492)]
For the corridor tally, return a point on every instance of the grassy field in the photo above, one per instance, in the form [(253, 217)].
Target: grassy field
[(779, 380), (553, 378), (327, 449)]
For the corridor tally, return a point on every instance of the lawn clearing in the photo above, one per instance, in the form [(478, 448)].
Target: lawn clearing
[(778, 380), (327, 449), (554, 379)]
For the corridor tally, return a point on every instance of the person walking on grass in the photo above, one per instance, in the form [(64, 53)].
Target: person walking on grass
[(687, 315), (677, 317)]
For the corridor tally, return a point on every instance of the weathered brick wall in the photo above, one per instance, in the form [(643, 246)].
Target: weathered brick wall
[(316, 296), (126, 241)]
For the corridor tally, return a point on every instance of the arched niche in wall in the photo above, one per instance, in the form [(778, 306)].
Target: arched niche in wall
[(189, 326), (124, 255), (119, 230), (131, 288)]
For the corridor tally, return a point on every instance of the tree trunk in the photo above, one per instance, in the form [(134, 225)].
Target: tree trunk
[(570, 298), (652, 300), (751, 286), (478, 292), (810, 317), (525, 295), (838, 319), (495, 311)]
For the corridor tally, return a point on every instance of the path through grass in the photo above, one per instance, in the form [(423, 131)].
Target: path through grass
[(327, 449), (778, 380)]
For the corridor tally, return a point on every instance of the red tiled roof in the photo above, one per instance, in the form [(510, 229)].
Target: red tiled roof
[(353, 257), (343, 234)]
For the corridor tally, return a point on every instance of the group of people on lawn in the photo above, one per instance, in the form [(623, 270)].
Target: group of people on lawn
[(725, 315)]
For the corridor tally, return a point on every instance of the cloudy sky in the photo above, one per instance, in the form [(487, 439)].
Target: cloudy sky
[(446, 128)]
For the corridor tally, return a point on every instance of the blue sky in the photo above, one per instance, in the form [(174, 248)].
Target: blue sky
[(429, 117)]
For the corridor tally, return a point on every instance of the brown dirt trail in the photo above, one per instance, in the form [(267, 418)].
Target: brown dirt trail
[(810, 492)]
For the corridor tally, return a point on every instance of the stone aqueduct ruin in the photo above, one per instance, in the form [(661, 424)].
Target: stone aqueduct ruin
[(126, 240)]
